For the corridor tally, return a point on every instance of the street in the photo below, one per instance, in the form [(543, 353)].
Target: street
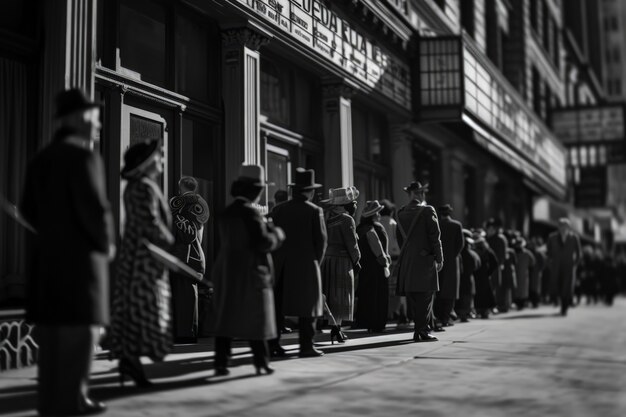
[(528, 363)]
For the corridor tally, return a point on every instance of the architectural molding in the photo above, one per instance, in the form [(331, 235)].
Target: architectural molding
[(244, 37)]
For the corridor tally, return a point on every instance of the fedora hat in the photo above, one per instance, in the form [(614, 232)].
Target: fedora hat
[(252, 174), (416, 186), (371, 208), (341, 196), (445, 210), (73, 100), (139, 156), (305, 180), (467, 234)]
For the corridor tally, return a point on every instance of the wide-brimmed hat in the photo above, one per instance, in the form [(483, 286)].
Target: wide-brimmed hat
[(341, 196), (70, 101), (416, 186), (139, 157), (371, 208), (252, 174), (305, 180), (445, 210)]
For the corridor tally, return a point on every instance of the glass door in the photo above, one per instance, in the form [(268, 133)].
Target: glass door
[(278, 172)]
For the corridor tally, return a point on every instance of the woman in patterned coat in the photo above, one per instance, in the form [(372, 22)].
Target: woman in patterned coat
[(141, 320), (341, 262)]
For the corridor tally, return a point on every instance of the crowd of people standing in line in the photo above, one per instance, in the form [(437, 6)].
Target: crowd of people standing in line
[(301, 260)]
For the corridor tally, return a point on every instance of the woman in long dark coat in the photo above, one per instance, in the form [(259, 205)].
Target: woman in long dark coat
[(373, 290), (243, 273), (484, 299), (141, 320), (341, 262), (470, 262)]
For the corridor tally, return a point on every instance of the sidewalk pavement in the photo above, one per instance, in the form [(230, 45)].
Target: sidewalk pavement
[(529, 363)]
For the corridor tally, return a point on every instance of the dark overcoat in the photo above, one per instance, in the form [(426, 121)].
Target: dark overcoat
[(471, 262), (65, 200), (484, 297), (421, 248), (243, 274), (523, 268), (499, 246), (452, 243), (563, 256), (297, 262)]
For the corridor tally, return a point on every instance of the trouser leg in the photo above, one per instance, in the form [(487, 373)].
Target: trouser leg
[(422, 304), (278, 309), (306, 332), (260, 353), (222, 351)]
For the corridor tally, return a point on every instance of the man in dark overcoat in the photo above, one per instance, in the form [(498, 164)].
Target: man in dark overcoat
[(450, 276), (421, 258), (564, 254), (297, 262), (498, 243), (65, 201)]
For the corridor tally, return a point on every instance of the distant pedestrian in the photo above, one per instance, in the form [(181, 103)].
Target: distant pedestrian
[(538, 248), (523, 269), (470, 262), (508, 283), (565, 254), (373, 289), (190, 213), (499, 245), (421, 258), (342, 261), (243, 273), (450, 276), (484, 300), (397, 305), (141, 324), (298, 288), (67, 294)]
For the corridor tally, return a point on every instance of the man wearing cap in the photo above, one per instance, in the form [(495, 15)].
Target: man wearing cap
[(421, 258), (564, 253), (449, 279), (65, 200), (297, 263)]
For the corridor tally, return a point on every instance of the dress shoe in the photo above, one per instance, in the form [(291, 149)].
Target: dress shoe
[(268, 369), (447, 324), (90, 407), (286, 330), (310, 353), (221, 371), (424, 337), (438, 329), (278, 352), (464, 320)]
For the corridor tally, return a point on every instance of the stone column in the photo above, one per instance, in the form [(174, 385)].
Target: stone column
[(337, 125), (402, 164), (240, 84), (70, 54)]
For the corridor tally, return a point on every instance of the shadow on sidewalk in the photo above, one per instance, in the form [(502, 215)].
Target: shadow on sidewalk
[(527, 316)]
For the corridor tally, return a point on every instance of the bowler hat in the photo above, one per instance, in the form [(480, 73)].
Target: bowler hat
[(252, 174), (305, 180), (445, 210), (416, 186), (73, 100), (371, 208), (341, 196), (138, 157)]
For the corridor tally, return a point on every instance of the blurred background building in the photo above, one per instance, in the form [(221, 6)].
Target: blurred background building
[(508, 108)]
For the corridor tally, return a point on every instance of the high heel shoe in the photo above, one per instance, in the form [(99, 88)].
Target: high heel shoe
[(127, 368), (335, 333), (268, 369)]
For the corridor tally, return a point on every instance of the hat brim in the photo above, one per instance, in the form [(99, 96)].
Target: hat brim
[(372, 212), (305, 187), (338, 203), (84, 107), (129, 172), (409, 189)]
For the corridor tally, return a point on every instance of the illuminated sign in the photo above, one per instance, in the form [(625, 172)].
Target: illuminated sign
[(313, 24), (589, 124)]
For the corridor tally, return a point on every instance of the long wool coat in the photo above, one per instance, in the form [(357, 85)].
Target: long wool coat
[(563, 256), (342, 255), (297, 262), (536, 273), (141, 322), (243, 274), (373, 289), (499, 246), (471, 262), (417, 271), (65, 200), (525, 263), (452, 243), (484, 297)]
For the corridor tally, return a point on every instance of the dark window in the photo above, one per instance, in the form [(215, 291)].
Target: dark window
[(533, 14), (275, 81), (142, 39), (192, 58), (467, 16), (369, 133)]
